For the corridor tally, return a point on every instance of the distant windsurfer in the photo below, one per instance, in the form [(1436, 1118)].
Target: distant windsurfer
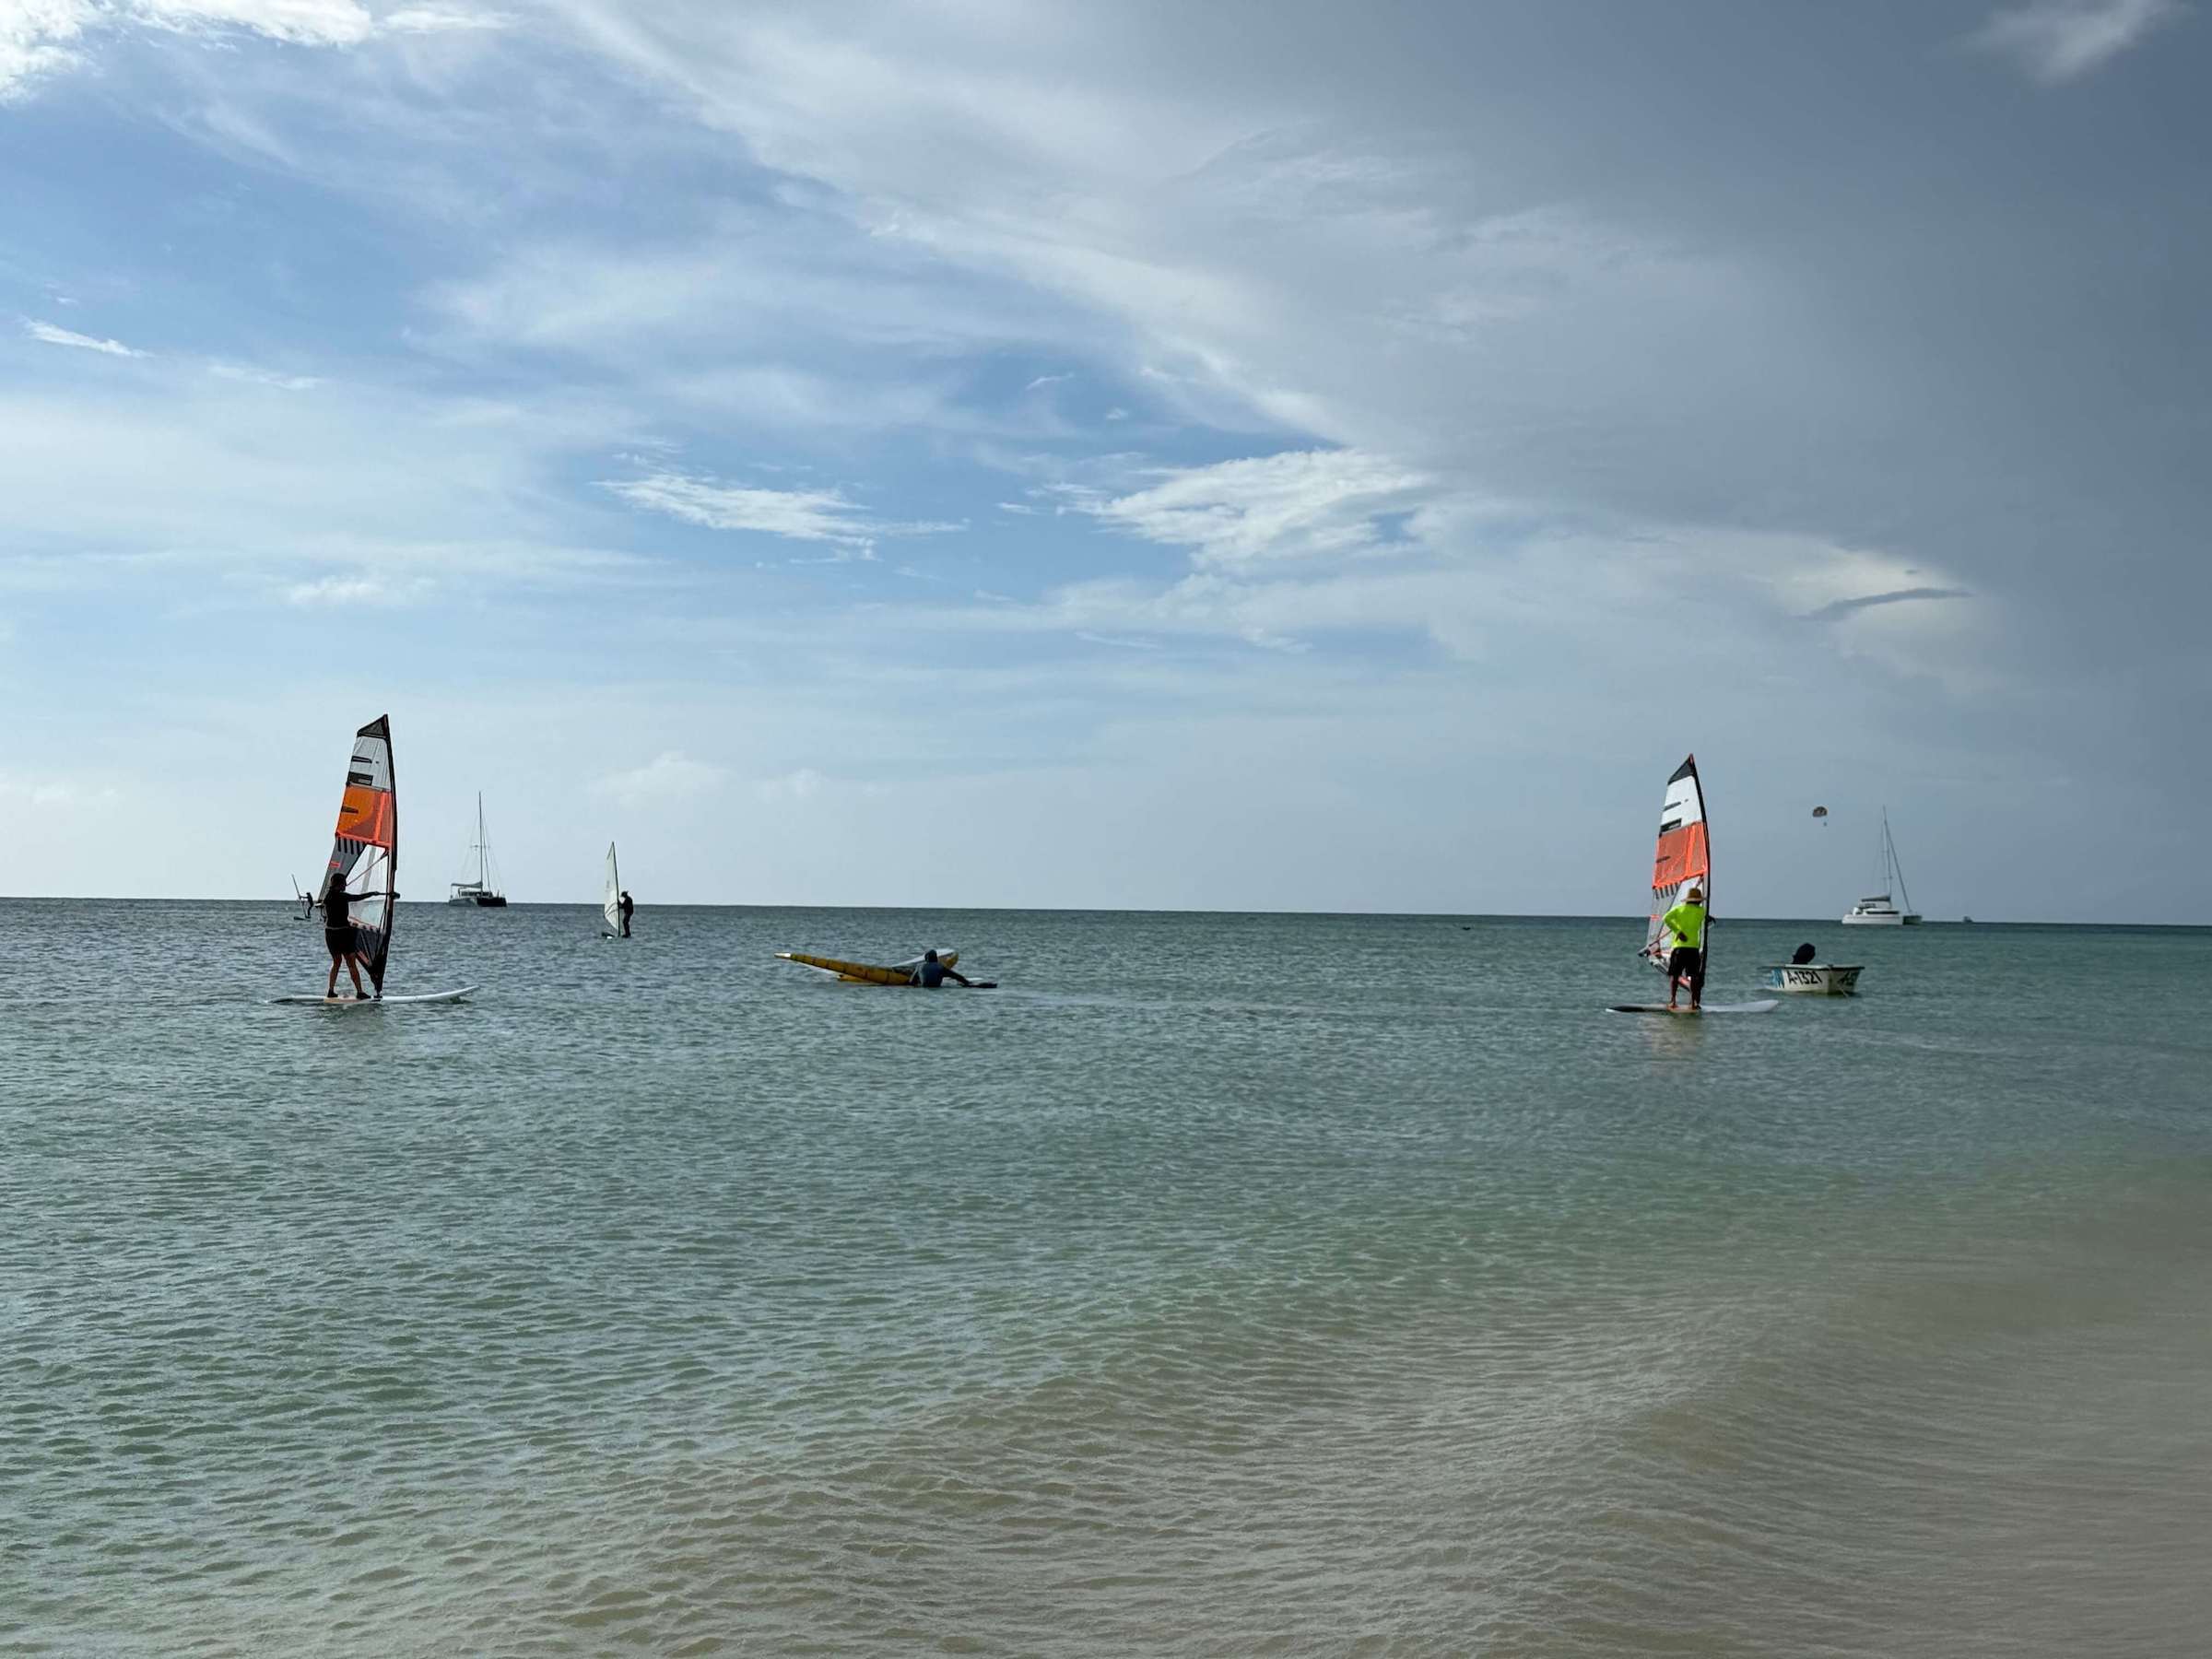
[(1686, 964), (338, 932), (627, 906), (933, 973)]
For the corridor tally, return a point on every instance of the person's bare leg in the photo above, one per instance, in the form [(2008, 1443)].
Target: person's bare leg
[(331, 990), (353, 966)]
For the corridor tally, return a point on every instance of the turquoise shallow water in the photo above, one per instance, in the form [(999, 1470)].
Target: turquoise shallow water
[(1221, 1285)]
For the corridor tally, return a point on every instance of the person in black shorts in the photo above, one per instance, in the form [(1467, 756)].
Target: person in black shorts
[(338, 932), (1686, 965)]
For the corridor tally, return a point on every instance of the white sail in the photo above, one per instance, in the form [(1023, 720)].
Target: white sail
[(611, 906)]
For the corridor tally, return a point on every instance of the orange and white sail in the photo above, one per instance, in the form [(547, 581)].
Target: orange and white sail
[(1684, 853), (365, 850)]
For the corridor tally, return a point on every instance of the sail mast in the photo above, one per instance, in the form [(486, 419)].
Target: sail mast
[(1896, 868)]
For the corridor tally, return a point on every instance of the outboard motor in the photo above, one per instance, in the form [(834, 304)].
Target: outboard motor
[(1804, 954)]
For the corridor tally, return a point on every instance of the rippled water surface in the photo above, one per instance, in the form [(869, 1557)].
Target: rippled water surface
[(1219, 1285)]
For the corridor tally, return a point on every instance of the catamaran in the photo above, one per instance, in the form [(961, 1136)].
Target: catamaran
[(1684, 855), (481, 891), (1880, 911), (364, 854), (611, 906)]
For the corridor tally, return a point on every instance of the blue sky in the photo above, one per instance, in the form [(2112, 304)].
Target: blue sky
[(1296, 457)]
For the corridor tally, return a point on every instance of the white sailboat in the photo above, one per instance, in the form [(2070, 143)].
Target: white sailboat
[(483, 891), (610, 906), (1880, 910)]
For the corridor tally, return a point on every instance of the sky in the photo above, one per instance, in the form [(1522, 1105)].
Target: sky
[(1286, 456)]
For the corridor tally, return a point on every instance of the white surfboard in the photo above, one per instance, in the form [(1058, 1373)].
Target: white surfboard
[(1762, 1006), (374, 1002)]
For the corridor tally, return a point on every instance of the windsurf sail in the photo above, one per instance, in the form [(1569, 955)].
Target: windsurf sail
[(611, 906), (867, 974), (365, 855), (1684, 856)]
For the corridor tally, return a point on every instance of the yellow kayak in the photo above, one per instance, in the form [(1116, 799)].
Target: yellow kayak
[(864, 973)]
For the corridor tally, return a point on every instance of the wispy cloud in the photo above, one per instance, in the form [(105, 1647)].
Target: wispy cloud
[(439, 20), (64, 336), (264, 377), (671, 776), (1299, 504), (801, 786), (2055, 40), (299, 22), (340, 592), (56, 795), (41, 37), (807, 515), (1047, 380), (1841, 609)]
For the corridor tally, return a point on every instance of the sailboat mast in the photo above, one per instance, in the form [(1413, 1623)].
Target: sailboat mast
[(1889, 848), (479, 837), (1705, 956)]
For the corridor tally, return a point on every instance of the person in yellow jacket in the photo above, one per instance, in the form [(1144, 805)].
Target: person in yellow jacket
[(1686, 965)]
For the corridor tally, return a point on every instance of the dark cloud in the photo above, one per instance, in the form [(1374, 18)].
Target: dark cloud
[(1846, 608)]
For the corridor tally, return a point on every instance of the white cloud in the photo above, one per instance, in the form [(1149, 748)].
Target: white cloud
[(299, 22), (34, 39), (264, 377), (1047, 380), (807, 515), (1299, 504), (56, 795), (801, 786), (341, 592), (41, 37), (437, 19), (63, 336), (2056, 41), (669, 776)]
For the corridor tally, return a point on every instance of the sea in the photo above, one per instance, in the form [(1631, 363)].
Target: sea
[(1218, 1284)]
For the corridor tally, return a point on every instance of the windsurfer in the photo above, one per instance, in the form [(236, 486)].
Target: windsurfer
[(339, 934), (933, 973), (1686, 964), (627, 906)]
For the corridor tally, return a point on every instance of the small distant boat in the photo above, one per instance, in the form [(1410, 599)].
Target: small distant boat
[(1880, 910), (1815, 979), (483, 893)]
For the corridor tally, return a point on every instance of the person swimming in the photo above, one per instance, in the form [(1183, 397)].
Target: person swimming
[(933, 973)]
